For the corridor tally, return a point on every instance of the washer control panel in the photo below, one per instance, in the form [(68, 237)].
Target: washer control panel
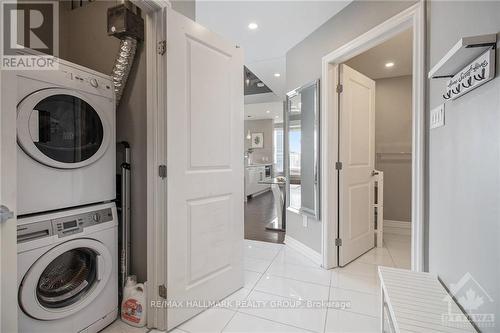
[(70, 225)]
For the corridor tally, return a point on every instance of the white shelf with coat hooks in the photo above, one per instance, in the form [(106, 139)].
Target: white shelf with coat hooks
[(469, 64)]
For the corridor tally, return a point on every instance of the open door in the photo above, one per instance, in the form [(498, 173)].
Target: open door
[(205, 167), (357, 155), (8, 245)]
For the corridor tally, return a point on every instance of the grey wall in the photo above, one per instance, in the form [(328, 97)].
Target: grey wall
[(185, 7), (303, 61), (464, 156), (303, 64), (89, 45), (265, 126), (393, 134)]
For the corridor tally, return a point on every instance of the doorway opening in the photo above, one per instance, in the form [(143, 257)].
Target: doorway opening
[(386, 127), (344, 236), (264, 162)]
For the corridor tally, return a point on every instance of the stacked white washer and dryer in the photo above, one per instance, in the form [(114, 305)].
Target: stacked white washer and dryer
[(67, 220)]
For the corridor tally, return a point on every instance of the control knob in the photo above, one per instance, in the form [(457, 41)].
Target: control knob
[(96, 217), (94, 83)]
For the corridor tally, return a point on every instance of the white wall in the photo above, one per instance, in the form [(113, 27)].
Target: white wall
[(393, 133), (464, 160), (265, 126)]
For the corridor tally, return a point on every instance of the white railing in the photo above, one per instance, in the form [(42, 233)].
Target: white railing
[(378, 207)]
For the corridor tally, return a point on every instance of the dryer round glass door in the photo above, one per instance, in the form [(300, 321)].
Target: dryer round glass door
[(65, 279), (61, 128)]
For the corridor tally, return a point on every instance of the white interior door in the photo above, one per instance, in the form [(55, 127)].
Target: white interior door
[(357, 155), (8, 246), (205, 166)]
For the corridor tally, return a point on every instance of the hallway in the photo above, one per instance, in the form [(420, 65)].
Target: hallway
[(276, 274), (259, 211)]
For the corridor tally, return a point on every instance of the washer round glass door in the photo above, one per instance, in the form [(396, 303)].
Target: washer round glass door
[(61, 128), (65, 279)]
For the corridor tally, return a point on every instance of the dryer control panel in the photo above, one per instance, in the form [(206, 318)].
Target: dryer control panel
[(63, 226), (70, 225)]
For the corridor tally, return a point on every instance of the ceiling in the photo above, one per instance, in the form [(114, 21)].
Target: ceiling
[(281, 25), (397, 50), (252, 84), (259, 111)]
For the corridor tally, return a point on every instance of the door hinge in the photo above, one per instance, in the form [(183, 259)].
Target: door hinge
[(340, 88), (338, 242), (162, 171), (162, 47), (338, 165), (162, 291)]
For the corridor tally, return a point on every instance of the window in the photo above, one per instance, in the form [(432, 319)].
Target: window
[(294, 137), (278, 149)]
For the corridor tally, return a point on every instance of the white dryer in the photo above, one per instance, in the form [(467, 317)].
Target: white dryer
[(66, 138), (68, 270)]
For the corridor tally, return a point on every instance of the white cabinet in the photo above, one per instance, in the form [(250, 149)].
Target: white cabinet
[(254, 175)]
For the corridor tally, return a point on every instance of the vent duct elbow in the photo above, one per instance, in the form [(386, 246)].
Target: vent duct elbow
[(126, 24)]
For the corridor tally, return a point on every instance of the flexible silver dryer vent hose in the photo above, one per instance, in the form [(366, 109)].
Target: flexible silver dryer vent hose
[(123, 64)]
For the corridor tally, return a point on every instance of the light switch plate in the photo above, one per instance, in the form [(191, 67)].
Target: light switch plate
[(437, 116), (304, 221)]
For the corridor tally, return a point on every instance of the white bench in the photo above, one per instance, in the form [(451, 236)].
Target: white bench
[(417, 302)]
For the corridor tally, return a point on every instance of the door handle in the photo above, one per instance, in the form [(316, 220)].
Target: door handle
[(374, 173), (100, 267), (5, 213)]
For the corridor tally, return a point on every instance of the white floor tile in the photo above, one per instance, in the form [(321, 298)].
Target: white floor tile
[(211, 320), (292, 288), (244, 323), (377, 256), (259, 252), (367, 284), (343, 321), (119, 326), (358, 268), (302, 273), (278, 309), (264, 245), (363, 303), (234, 300), (290, 256), (255, 265), (251, 278)]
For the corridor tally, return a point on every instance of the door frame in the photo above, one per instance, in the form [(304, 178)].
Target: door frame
[(412, 17), (156, 155)]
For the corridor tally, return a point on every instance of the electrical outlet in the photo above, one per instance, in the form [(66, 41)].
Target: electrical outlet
[(437, 116)]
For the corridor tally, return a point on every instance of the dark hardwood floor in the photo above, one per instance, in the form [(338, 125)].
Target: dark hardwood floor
[(259, 211)]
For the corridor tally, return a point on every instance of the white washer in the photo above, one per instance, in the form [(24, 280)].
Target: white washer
[(66, 138), (68, 270)]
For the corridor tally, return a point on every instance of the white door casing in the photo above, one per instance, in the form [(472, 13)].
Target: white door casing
[(8, 166), (357, 155), (205, 166)]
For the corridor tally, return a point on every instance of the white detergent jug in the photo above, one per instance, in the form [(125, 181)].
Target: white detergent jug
[(133, 308)]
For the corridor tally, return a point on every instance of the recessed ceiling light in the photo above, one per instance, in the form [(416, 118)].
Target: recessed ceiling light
[(276, 116), (260, 84), (389, 64), (267, 111), (277, 74), (253, 26)]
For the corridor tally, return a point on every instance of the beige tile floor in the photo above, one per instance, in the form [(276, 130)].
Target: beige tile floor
[(277, 273)]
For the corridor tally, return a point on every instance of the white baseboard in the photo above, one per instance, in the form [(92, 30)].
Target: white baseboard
[(304, 249), (397, 227)]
